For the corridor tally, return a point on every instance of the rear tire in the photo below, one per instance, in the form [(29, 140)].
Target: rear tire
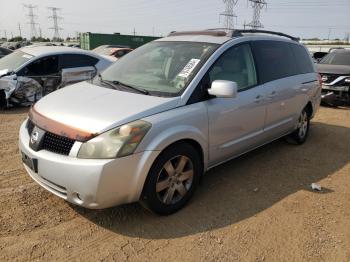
[(300, 135), (172, 180)]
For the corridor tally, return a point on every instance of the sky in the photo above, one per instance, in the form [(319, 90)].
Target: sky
[(305, 19)]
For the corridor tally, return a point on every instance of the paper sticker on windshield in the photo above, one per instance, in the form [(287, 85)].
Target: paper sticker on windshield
[(191, 65), (27, 56)]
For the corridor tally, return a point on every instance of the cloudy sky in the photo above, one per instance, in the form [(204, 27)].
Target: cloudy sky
[(308, 18)]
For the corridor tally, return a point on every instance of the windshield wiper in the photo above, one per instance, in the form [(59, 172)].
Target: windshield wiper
[(140, 90), (116, 84), (109, 83)]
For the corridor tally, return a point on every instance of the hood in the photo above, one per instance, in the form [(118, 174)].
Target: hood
[(333, 69), (97, 109)]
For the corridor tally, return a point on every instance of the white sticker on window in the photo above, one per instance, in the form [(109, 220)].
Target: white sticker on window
[(191, 65)]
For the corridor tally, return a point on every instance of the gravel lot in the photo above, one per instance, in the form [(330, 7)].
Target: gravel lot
[(255, 208)]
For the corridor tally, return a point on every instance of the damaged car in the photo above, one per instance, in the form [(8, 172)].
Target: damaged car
[(334, 69), (30, 73)]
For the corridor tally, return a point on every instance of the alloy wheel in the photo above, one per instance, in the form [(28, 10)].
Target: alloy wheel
[(174, 180), (303, 125)]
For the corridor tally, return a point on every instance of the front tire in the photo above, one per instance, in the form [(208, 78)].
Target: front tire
[(300, 135), (172, 180)]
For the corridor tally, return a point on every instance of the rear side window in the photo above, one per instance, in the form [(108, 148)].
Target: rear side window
[(72, 61), (274, 59), (303, 59)]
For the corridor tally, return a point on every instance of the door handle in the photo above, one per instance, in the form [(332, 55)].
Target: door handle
[(272, 94), (257, 99)]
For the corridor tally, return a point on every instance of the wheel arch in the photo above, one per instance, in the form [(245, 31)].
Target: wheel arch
[(309, 109)]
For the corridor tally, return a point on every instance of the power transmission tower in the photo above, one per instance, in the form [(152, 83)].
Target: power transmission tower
[(228, 14), (257, 5), (55, 19), (32, 18)]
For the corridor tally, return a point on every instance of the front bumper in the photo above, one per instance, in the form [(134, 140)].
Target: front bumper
[(89, 183), (335, 92)]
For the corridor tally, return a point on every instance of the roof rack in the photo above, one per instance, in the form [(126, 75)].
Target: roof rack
[(231, 33), (205, 32), (239, 32)]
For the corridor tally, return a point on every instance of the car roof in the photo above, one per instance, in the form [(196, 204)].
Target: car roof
[(54, 50)]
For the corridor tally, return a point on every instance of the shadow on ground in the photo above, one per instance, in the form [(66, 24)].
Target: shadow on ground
[(239, 189)]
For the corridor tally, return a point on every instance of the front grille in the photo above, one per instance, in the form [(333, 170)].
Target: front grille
[(57, 144), (330, 78)]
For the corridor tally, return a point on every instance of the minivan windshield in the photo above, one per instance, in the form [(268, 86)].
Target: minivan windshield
[(14, 60), (336, 58), (160, 68)]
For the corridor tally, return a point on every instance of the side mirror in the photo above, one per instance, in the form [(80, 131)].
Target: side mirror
[(223, 89)]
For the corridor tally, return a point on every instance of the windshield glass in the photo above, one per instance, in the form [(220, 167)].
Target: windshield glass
[(160, 67), (14, 60), (336, 58)]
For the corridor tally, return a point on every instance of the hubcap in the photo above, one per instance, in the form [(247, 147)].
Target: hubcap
[(303, 125), (174, 180)]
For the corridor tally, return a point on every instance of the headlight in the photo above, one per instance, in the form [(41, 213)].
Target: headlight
[(347, 80), (118, 142)]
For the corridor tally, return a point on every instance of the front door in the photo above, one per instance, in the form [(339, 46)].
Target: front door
[(235, 124)]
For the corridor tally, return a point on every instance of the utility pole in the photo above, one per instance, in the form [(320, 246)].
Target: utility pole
[(32, 18), (228, 14), (40, 33), (55, 19), (20, 30), (257, 5), (5, 32), (134, 32)]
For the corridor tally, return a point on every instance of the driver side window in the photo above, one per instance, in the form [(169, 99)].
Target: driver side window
[(236, 64), (42, 67)]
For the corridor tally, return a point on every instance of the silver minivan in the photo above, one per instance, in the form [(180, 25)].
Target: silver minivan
[(150, 125)]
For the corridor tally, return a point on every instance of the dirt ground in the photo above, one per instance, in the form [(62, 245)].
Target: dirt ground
[(256, 208)]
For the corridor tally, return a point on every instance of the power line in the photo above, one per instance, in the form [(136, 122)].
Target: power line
[(228, 14), (55, 19), (32, 18), (257, 6)]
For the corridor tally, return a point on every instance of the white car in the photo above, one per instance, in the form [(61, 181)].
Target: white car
[(32, 72)]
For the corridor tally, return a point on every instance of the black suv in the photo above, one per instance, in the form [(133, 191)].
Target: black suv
[(335, 72)]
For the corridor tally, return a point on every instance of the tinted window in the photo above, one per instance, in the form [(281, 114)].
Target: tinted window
[(236, 64), (303, 59), (274, 59), (72, 61), (43, 66)]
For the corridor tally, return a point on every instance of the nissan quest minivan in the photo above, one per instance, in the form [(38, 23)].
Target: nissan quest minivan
[(151, 124)]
